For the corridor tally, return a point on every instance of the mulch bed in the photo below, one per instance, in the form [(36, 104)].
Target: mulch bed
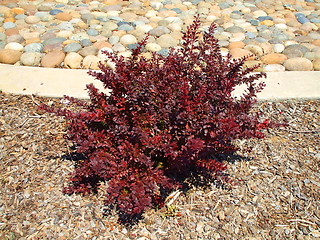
[(275, 195)]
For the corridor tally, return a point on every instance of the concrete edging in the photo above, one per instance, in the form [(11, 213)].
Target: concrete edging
[(55, 82)]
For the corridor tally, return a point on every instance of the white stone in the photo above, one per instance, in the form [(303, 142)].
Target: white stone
[(259, 13), (102, 55), (153, 47), (31, 58), (113, 13), (128, 39), (64, 33), (274, 68), (145, 28), (91, 62), (278, 48), (156, 5), (14, 46), (281, 26), (151, 13), (73, 60)]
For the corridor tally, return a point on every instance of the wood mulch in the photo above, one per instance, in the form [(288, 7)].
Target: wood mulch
[(276, 195)]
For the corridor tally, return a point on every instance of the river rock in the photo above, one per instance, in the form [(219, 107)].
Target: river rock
[(239, 53), (73, 60), (298, 64), (9, 56), (316, 64), (72, 47), (167, 41), (32, 19), (91, 62), (63, 16), (14, 46), (30, 58), (274, 58), (53, 59), (274, 68), (128, 39), (86, 51), (153, 47), (295, 50)]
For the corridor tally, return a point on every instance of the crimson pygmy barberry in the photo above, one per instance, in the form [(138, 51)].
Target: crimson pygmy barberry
[(165, 117)]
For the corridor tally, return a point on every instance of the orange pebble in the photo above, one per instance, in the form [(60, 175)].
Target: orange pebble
[(17, 10), (9, 19), (33, 40), (102, 44)]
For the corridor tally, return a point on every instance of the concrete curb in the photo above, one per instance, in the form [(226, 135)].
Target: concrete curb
[(55, 82)]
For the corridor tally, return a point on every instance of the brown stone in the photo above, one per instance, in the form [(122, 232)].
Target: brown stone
[(274, 58), (298, 64), (102, 44), (237, 44), (63, 16), (53, 59), (239, 53), (9, 19), (17, 10), (12, 31), (9, 56), (316, 42), (316, 64)]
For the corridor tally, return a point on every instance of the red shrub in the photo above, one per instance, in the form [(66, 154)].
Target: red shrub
[(165, 117)]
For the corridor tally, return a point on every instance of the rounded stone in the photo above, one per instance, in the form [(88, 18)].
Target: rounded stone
[(79, 36), (55, 40), (91, 62), (8, 25), (33, 47), (159, 31), (14, 46), (66, 26), (11, 31), (295, 50), (274, 68), (55, 11), (153, 47), (238, 44), (64, 34), (298, 64), (278, 48), (274, 58), (53, 59), (167, 41), (32, 19), (92, 32), (63, 16), (253, 63), (72, 47), (9, 56), (15, 38), (316, 64), (234, 29), (73, 60), (18, 10), (128, 39), (86, 42), (240, 53), (30, 58), (101, 53), (86, 51), (114, 39), (256, 50)]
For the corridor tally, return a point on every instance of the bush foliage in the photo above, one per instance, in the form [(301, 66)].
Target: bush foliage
[(165, 117)]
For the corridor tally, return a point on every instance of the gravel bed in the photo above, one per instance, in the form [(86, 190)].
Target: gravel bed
[(274, 195)]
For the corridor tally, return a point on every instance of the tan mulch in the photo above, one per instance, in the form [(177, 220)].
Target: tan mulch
[(275, 196)]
